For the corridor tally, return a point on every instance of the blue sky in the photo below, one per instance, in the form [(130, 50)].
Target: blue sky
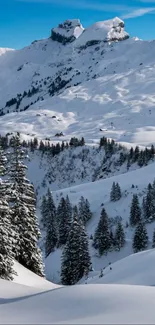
[(22, 21)]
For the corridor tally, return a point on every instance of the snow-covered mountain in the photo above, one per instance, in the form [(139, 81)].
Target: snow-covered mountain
[(90, 82)]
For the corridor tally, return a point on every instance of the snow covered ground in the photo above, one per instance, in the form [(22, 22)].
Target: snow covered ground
[(81, 304)]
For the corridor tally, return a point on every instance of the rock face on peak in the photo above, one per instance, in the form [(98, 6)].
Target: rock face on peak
[(104, 31), (67, 32)]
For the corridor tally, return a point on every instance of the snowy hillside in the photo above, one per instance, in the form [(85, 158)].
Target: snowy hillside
[(98, 194), (136, 269)]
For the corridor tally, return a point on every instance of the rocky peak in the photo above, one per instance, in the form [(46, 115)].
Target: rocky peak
[(67, 31), (103, 31)]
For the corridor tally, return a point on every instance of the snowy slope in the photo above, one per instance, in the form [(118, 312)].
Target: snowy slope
[(84, 304), (28, 278), (136, 269)]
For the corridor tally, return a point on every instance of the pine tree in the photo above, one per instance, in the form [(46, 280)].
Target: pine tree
[(43, 209), (119, 236), (117, 192), (65, 220), (6, 253), (153, 239), (50, 225), (85, 213), (69, 207), (112, 193), (135, 211), (75, 257), (149, 211), (140, 240), (24, 219), (102, 237), (71, 256)]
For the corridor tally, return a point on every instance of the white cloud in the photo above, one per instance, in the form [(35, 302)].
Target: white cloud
[(138, 13)]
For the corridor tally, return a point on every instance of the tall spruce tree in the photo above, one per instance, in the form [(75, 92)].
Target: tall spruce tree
[(69, 207), (44, 212), (75, 257), (115, 193), (112, 193), (140, 240), (102, 236), (85, 213), (149, 207), (65, 220), (50, 225), (24, 219), (6, 240), (119, 236), (135, 211), (71, 256)]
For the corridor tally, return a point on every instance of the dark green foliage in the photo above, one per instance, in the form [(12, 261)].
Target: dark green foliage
[(75, 142), (140, 240), (102, 240), (64, 220), (115, 194), (50, 224), (85, 213), (149, 203), (119, 236), (75, 257), (135, 211)]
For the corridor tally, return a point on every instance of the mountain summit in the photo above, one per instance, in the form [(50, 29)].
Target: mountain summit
[(106, 31)]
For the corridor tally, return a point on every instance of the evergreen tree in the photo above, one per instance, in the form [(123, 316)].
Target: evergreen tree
[(119, 236), (85, 213), (140, 240), (135, 211), (75, 257), (69, 207), (71, 256), (112, 193), (44, 212), (50, 225), (102, 236), (6, 254), (136, 154), (24, 219), (117, 192), (65, 220), (149, 204), (153, 239)]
